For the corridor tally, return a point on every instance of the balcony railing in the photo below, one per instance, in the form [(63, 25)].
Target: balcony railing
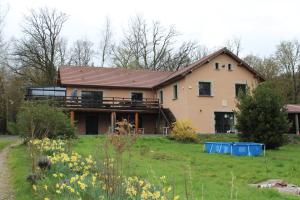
[(102, 103)]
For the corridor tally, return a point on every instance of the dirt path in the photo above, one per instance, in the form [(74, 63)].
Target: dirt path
[(6, 191)]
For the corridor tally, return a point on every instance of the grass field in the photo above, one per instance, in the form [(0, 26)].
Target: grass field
[(4, 143), (187, 164)]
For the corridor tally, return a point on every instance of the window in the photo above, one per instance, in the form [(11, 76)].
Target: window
[(91, 95), (175, 92), (229, 67), (240, 88), (204, 89), (161, 96), (217, 66), (136, 96)]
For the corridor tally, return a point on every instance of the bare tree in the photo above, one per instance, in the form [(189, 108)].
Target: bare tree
[(37, 53), (234, 45), (106, 42), (151, 47), (82, 53), (267, 67), (288, 57)]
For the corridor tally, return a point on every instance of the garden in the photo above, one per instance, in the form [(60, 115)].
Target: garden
[(169, 168)]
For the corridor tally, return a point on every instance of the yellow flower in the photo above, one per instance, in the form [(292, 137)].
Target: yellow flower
[(73, 179), (58, 191), (144, 195), (176, 197), (45, 187), (46, 198), (34, 187), (156, 195), (55, 175), (82, 185), (141, 182)]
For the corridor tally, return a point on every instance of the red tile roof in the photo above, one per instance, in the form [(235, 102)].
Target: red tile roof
[(110, 77), (135, 78), (293, 108), (186, 70)]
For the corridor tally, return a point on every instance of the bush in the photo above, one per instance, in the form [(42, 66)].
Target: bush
[(38, 120), (262, 117), (183, 131)]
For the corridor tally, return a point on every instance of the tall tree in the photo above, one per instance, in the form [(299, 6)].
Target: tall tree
[(288, 57), (267, 67), (151, 47), (37, 53), (82, 53), (105, 42), (234, 45)]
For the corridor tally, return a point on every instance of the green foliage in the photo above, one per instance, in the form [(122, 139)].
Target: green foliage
[(261, 117), (183, 131), (38, 120)]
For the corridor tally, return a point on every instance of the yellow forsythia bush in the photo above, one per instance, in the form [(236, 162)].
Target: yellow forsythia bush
[(183, 131)]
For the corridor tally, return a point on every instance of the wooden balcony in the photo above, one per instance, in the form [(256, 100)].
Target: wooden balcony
[(103, 104)]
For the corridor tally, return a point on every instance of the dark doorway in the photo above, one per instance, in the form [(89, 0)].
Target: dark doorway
[(224, 122), (91, 125)]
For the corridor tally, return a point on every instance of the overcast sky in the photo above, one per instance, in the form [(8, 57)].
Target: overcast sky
[(261, 24)]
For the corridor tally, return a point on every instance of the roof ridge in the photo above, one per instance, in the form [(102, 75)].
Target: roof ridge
[(117, 68)]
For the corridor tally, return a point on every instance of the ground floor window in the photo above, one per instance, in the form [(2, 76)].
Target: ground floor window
[(224, 122)]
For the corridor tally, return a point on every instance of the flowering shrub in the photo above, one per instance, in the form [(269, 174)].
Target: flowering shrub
[(73, 176), (183, 131)]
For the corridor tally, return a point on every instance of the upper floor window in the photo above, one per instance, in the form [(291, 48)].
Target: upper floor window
[(161, 96), (216, 66), (204, 88), (137, 96), (229, 67), (240, 88), (175, 91)]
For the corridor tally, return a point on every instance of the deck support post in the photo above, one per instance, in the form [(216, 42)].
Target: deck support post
[(136, 121), (72, 116), (113, 122), (297, 124)]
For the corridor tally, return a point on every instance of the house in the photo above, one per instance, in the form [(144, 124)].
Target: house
[(204, 92)]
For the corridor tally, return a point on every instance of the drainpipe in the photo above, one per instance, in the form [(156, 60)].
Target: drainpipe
[(297, 124)]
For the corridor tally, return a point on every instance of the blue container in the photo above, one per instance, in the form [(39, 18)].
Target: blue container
[(218, 147), (234, 148), (247, 149)]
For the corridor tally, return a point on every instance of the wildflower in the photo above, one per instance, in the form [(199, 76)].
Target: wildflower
[(156, 195), (144, 195), (176, 197), (141, 182), (55, 175), (34, 187), (58, 191), (45, 187), (73, 179), (82, 185), (46, 198)]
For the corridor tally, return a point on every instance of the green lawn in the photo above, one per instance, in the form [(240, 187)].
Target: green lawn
[(156, 156), (4, 143)]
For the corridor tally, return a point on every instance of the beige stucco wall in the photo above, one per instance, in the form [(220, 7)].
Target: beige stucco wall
[(199, 109)]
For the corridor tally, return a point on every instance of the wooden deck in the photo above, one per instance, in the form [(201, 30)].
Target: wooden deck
[(105, 104)]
